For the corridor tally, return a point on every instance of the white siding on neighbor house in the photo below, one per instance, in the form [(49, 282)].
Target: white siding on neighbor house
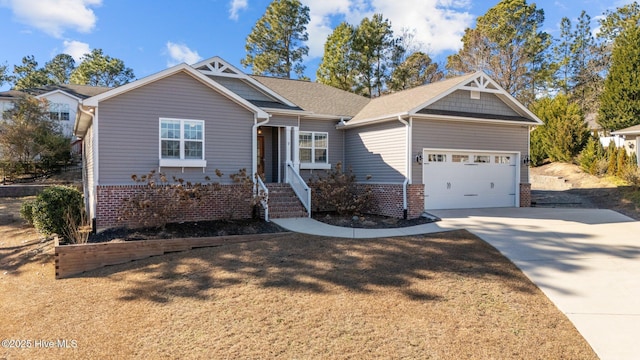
[(461, 101), (60, 98), (378, 150), (336, 141), (435, 134), (129, 130)]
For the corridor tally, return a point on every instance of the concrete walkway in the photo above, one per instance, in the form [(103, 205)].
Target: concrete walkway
[(587, 262)]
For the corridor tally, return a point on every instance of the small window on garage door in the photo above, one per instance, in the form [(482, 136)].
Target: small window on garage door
[(460, 158), (503, 159), (436, 157), (482, 159)]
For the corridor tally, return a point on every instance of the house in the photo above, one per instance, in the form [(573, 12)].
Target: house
[(631, 136), (63, 101), (461, 142)]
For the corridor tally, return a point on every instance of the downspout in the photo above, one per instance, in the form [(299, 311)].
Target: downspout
[(254, 142), (87, 203), (407, 179)]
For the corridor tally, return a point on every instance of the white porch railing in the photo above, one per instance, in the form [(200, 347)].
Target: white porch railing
[(299, 187), (263, 192)]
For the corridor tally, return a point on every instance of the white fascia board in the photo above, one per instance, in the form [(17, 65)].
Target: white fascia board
[(393, 117), (239, 74), (95, 100), (274, 111)]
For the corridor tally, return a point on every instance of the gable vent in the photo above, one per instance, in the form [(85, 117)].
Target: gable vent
[(475, 95)]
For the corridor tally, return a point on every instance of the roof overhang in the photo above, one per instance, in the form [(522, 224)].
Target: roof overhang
[(184, 68), (84, 118)]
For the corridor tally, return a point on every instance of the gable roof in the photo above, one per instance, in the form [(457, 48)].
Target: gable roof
[(216, 66), (318, 98), (78, 92), (410, 102), (184, 68)]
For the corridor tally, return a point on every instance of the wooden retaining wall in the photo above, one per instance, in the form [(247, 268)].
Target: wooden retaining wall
[(75, 259)]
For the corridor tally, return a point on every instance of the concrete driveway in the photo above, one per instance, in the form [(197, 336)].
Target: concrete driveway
[(587, 261)]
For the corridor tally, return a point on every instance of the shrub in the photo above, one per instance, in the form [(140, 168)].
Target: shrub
[(590, 156), (339, 192), (26, 211), (159, 202), (51, 207)]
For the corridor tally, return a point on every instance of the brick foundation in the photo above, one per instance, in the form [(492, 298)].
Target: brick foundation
[(218, 204), (387, 200), (525, 195)]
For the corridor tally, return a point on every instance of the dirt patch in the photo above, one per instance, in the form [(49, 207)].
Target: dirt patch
[(583, 190)]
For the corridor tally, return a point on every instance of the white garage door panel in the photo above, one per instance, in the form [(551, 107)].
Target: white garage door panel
[(462, 179)]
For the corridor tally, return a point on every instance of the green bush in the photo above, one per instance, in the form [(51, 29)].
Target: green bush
[(51, 207), (26, 211)]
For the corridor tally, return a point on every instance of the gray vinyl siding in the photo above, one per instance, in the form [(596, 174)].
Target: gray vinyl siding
[(460, 101), (241, 88), (129, 130), (378, 150), (336, 141), (467, 136), (282, 120)]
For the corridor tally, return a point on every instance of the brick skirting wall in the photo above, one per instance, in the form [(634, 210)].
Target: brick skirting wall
[(387, 200), (217, 205), (525, 195)]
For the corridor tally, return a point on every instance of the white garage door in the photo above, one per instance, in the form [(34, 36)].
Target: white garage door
[(467, 179)]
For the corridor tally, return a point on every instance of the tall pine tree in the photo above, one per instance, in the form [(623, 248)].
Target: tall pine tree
[(275, 45), (337, 67), (620, 100)]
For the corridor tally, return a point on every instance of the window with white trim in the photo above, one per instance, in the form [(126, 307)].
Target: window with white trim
[(181, 142), (314, 147), (59, 111)]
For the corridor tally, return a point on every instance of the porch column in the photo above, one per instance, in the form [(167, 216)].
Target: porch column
[(296, 148), (287, 156)]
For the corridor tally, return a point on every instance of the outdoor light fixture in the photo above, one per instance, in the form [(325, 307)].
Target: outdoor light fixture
[(419, 159), (526, 160)]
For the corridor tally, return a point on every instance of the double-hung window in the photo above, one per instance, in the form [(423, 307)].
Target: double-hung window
[(58, 111), (182, 143), (314, 150)]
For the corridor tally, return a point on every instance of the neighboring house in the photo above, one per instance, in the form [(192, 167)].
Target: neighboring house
[(631, 136), (63, 101), (462, 142)]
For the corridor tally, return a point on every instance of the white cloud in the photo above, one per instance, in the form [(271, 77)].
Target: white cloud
[(179, 53), (235, 7), (76, 49), (439, 24), (55, 16)]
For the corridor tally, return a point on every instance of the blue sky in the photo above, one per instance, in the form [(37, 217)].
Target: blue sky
[(150, 35)]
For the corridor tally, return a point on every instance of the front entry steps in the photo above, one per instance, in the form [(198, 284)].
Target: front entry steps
[(283, 202)]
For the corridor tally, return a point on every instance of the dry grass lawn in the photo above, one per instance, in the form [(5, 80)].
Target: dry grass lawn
[(442, 296)]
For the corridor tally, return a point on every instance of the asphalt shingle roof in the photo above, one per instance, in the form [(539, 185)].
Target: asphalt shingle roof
[(316, 97)]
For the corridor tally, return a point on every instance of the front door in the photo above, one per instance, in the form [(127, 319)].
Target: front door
[(260, 154)]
